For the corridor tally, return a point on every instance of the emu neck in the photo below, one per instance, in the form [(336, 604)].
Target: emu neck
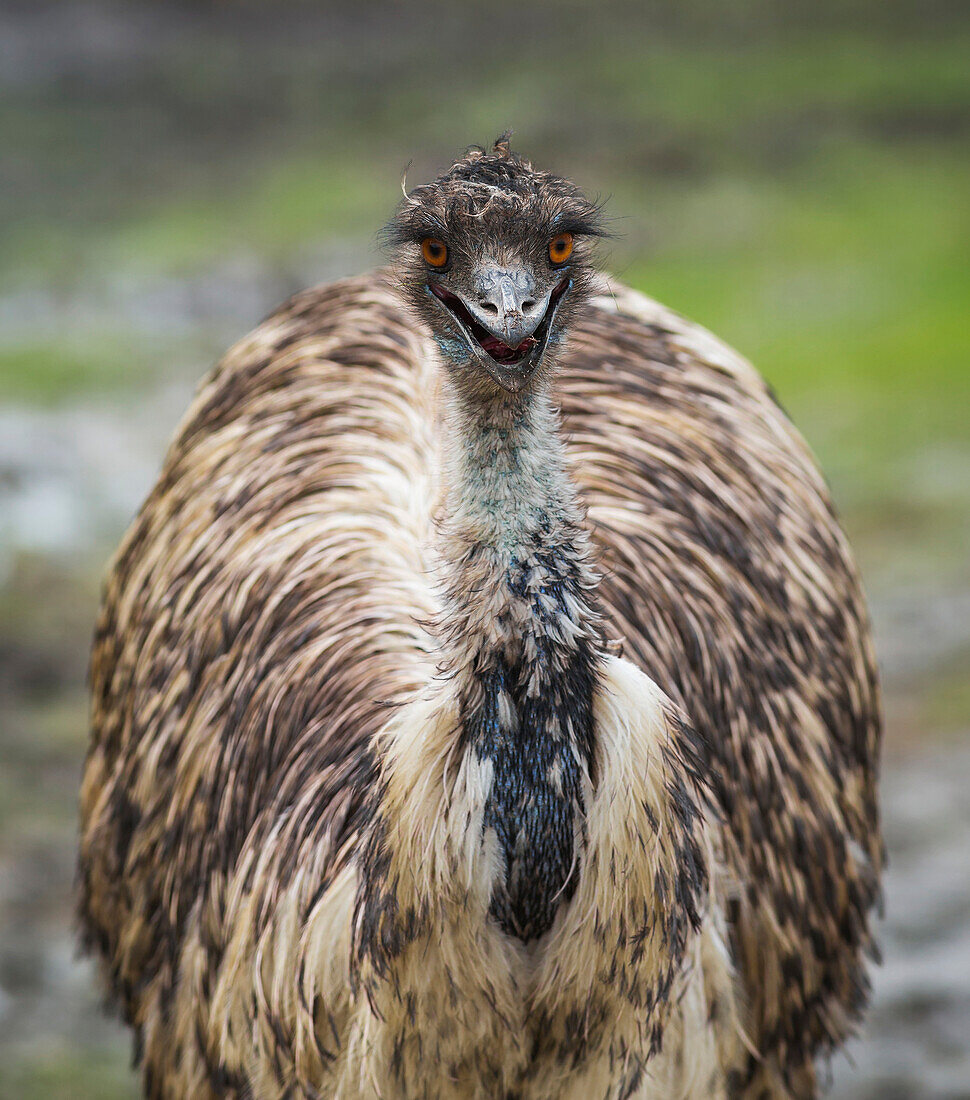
[(521, 633), (506, 479)]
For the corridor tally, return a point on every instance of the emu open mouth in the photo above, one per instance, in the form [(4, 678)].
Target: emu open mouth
[(530, 348)]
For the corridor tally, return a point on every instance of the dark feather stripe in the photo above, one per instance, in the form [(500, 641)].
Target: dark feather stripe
[(539, 758)]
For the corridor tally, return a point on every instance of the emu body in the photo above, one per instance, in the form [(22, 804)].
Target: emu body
[(373, 805)]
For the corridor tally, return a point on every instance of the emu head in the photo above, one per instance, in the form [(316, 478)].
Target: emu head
[(495, 257)]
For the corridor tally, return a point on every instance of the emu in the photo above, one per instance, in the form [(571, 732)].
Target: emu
[(483, 699)]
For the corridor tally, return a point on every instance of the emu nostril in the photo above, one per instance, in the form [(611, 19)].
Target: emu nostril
[(528, 306), (490, 307)]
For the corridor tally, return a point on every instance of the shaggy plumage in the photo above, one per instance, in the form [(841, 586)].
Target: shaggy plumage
[(373, 807)]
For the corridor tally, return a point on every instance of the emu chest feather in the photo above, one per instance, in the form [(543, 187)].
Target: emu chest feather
[(535, 726)]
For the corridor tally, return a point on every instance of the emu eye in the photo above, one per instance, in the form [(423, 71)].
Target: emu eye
[(434, 251), (561, 248)]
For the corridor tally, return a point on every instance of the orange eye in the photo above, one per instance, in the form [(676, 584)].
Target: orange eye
[(434, 251), (561, 248)]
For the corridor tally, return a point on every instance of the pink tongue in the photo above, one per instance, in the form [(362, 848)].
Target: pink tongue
[(500, 350)]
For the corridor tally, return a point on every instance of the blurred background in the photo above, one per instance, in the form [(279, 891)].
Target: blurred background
[(793, 176)]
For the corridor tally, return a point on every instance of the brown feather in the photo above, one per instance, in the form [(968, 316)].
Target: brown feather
[(267, 613)]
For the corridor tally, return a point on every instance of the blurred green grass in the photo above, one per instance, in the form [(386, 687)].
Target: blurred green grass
[(66, 1073), (49, 371), (801, 195), (850, 292)]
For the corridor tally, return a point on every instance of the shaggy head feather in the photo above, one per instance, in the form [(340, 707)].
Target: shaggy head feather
[(496, 215)]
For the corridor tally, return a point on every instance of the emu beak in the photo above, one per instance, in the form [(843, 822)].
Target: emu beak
[(507, 328), (506, 305)]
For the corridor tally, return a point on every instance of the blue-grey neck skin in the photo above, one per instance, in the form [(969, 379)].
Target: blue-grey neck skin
[(521, 632), (506, 476)]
